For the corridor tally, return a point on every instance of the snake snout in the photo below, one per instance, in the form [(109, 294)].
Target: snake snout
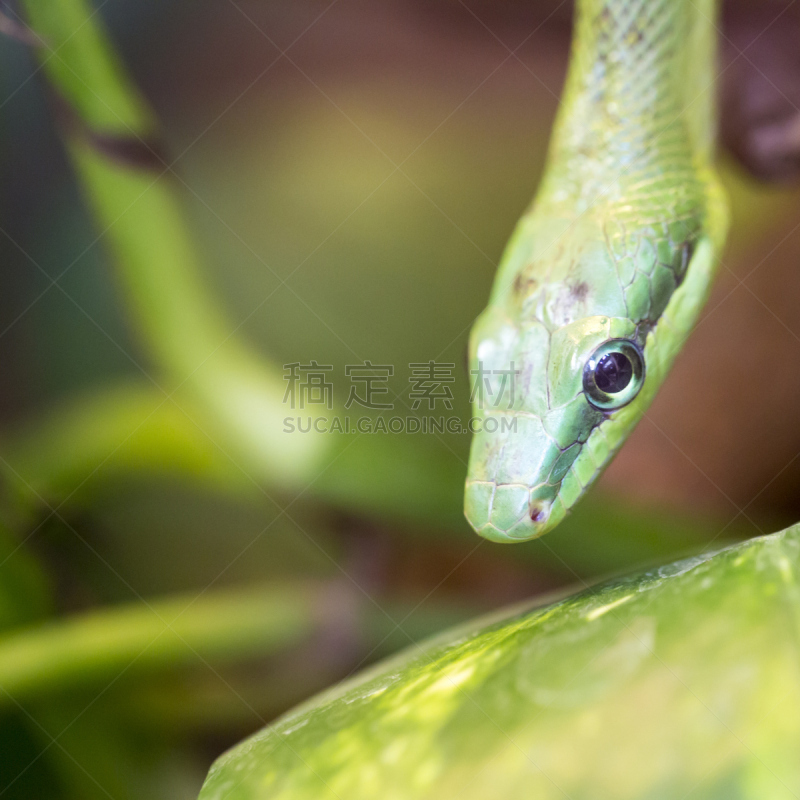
[(505, 512)]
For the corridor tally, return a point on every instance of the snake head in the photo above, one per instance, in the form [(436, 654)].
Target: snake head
[(554, 402), (537, 402)]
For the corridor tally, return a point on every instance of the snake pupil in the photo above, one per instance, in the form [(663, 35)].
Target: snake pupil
[(613, 373)]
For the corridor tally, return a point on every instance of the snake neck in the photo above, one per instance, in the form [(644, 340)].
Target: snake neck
[(635, 125)]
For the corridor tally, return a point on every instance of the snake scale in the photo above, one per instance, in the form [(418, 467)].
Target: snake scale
[(606, 273)]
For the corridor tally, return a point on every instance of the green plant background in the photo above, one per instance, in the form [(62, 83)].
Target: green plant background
[(173, 574)]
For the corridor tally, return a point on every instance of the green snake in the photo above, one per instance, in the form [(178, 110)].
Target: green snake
[(606, 273)]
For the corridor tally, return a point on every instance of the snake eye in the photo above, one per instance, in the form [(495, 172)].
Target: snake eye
[(614, 374)]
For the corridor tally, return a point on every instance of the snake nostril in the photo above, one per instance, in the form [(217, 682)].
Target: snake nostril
[(537, 514)]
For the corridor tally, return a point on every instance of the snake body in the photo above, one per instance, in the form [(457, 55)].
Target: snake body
[(606, 273)]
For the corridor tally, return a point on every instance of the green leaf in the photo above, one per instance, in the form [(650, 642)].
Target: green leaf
[(681, 682), (99, 646), (24, 589)]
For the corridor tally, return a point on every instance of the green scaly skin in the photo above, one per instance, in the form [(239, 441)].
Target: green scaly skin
[(622, 241)]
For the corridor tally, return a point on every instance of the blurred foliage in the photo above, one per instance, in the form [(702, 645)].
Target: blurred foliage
[(174, 572)]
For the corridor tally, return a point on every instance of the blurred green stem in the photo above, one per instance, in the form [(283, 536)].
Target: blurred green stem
[(112, 138), (126, 428), (110, 131), (131, 427), (102, 645)]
